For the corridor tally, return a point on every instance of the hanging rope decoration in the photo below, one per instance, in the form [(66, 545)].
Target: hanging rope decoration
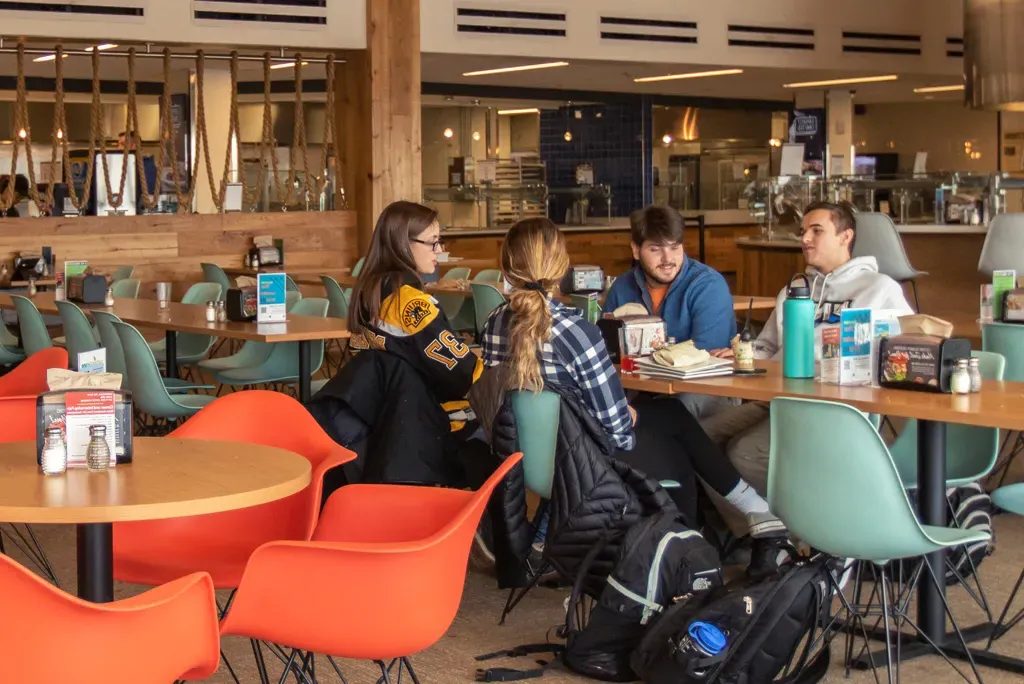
[(284, 187)]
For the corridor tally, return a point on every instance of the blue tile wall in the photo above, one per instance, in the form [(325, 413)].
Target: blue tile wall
[(612, 137)]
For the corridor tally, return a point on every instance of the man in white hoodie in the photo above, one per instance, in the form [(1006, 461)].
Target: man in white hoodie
[(838, 282)]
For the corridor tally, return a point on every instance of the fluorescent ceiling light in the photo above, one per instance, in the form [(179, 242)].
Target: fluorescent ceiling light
[(101, 48), (510, 112), (939, 89), (47, 58), (286, 65), (842, 81), (524, 67), (694, 74)]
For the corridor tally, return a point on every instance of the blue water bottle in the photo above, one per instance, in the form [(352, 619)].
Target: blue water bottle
[(798, 330)]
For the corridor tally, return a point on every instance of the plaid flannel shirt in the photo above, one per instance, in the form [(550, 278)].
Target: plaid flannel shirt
[(574, 359)]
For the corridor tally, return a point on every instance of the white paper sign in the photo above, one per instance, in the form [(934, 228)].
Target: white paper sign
[(486, 171), (792, 163), (920, 163)]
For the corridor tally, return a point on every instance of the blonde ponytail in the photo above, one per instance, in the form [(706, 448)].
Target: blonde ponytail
[(533, 260)]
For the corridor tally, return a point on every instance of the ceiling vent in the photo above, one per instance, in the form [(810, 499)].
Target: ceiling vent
[(509, 22), (62, 9), (881, 43), (771, 37), (955, 47), (310, 13), (648, 30)]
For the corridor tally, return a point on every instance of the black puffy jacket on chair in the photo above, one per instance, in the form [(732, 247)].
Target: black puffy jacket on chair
[(592, 493)]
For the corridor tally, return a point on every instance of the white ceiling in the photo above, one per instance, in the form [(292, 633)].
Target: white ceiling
[(754, 83)]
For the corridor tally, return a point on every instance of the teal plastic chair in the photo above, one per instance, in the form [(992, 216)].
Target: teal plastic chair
[(212, 273), (126, 288), (358, 268), (971, 451), (291, 298), (78, 333), (458, 309), (191, 347), (590, 307), (486, 298), (488, 275), (122, 273), (537, 415), (146, 384), (9, 351), (289, 284), (251, 353), (337, 296), (1007, 339), (281, 364), (847, 500), (34, 336), (115, 355), (1010, 499)]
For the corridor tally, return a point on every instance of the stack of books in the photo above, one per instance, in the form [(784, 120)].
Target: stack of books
[(711, 368)]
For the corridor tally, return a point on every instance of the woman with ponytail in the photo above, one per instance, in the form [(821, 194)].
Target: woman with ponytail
[(541, 342)]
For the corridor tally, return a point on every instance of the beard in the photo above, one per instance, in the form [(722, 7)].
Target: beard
[(657, 276)]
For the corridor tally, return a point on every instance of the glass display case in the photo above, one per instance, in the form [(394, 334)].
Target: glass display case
[(506, 191)]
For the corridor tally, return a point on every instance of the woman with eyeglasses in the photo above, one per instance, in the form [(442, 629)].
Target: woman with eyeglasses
[(391, 311)]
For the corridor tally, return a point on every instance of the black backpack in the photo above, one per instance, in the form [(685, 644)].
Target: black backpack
[(764, 622), (660, 559)]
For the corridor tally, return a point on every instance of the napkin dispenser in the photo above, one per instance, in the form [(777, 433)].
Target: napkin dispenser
[(88, 289), (631, 335), (240, 304), (52, 411), (920, 362), (1013, 306), (583, 280)]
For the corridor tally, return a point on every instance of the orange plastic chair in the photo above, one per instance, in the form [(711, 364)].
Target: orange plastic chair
[(162, 635), (29, 377), (156, 551), (381, 579), (18, 424)]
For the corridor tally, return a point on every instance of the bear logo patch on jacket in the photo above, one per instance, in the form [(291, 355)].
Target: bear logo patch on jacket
[(415, 312)]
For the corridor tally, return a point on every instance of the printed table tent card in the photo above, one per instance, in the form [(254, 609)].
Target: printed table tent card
[(84, 409), (271, 298)]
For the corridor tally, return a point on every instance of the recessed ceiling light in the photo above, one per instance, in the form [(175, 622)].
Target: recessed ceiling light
[(286, 65), (939, 89), (667, 139), (692, 74), (101, 48), (511, 112), (448, 132), (522, 67), (842, 81)]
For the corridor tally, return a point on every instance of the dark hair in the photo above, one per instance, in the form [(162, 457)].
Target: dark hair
[(389, 259), (21, 185), (656, 223), (842, 217)]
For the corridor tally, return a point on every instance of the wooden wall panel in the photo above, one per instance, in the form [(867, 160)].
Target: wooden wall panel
[(170, 247), (763, 271)]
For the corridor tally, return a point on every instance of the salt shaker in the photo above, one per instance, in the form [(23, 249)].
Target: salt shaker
[(32, 287), (54, 459), (97, 454), (222, 312), (108, 300), (211, 312), (960, 380), (974, 370)]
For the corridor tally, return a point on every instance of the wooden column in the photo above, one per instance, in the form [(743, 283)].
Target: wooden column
[(378, 110)]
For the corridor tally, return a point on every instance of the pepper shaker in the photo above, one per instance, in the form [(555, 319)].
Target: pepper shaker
[(222, 312), (97, 454), (32, 287), (960, 380), (974, 370), (108, 300), (54, 459), (211, 312)]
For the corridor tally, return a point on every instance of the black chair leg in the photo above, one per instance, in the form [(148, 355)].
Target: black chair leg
[(917, 304)]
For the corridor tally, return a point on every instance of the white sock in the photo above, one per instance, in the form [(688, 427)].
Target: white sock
[(746, 499)]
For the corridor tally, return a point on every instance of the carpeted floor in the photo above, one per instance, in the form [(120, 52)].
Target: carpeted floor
[(476, 628)]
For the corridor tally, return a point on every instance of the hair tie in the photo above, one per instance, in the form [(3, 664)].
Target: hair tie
[(535, 286)]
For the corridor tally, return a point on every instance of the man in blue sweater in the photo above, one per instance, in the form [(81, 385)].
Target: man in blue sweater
[(691, 297)]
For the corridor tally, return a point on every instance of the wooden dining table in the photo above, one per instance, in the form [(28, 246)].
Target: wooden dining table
[(236, 271), (1000, 404), (168, 478), (176, 317)]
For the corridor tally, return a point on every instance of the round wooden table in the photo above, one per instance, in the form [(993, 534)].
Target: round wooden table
[(168, 478)]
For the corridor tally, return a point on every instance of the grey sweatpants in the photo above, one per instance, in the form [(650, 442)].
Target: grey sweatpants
[(743, 433)]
